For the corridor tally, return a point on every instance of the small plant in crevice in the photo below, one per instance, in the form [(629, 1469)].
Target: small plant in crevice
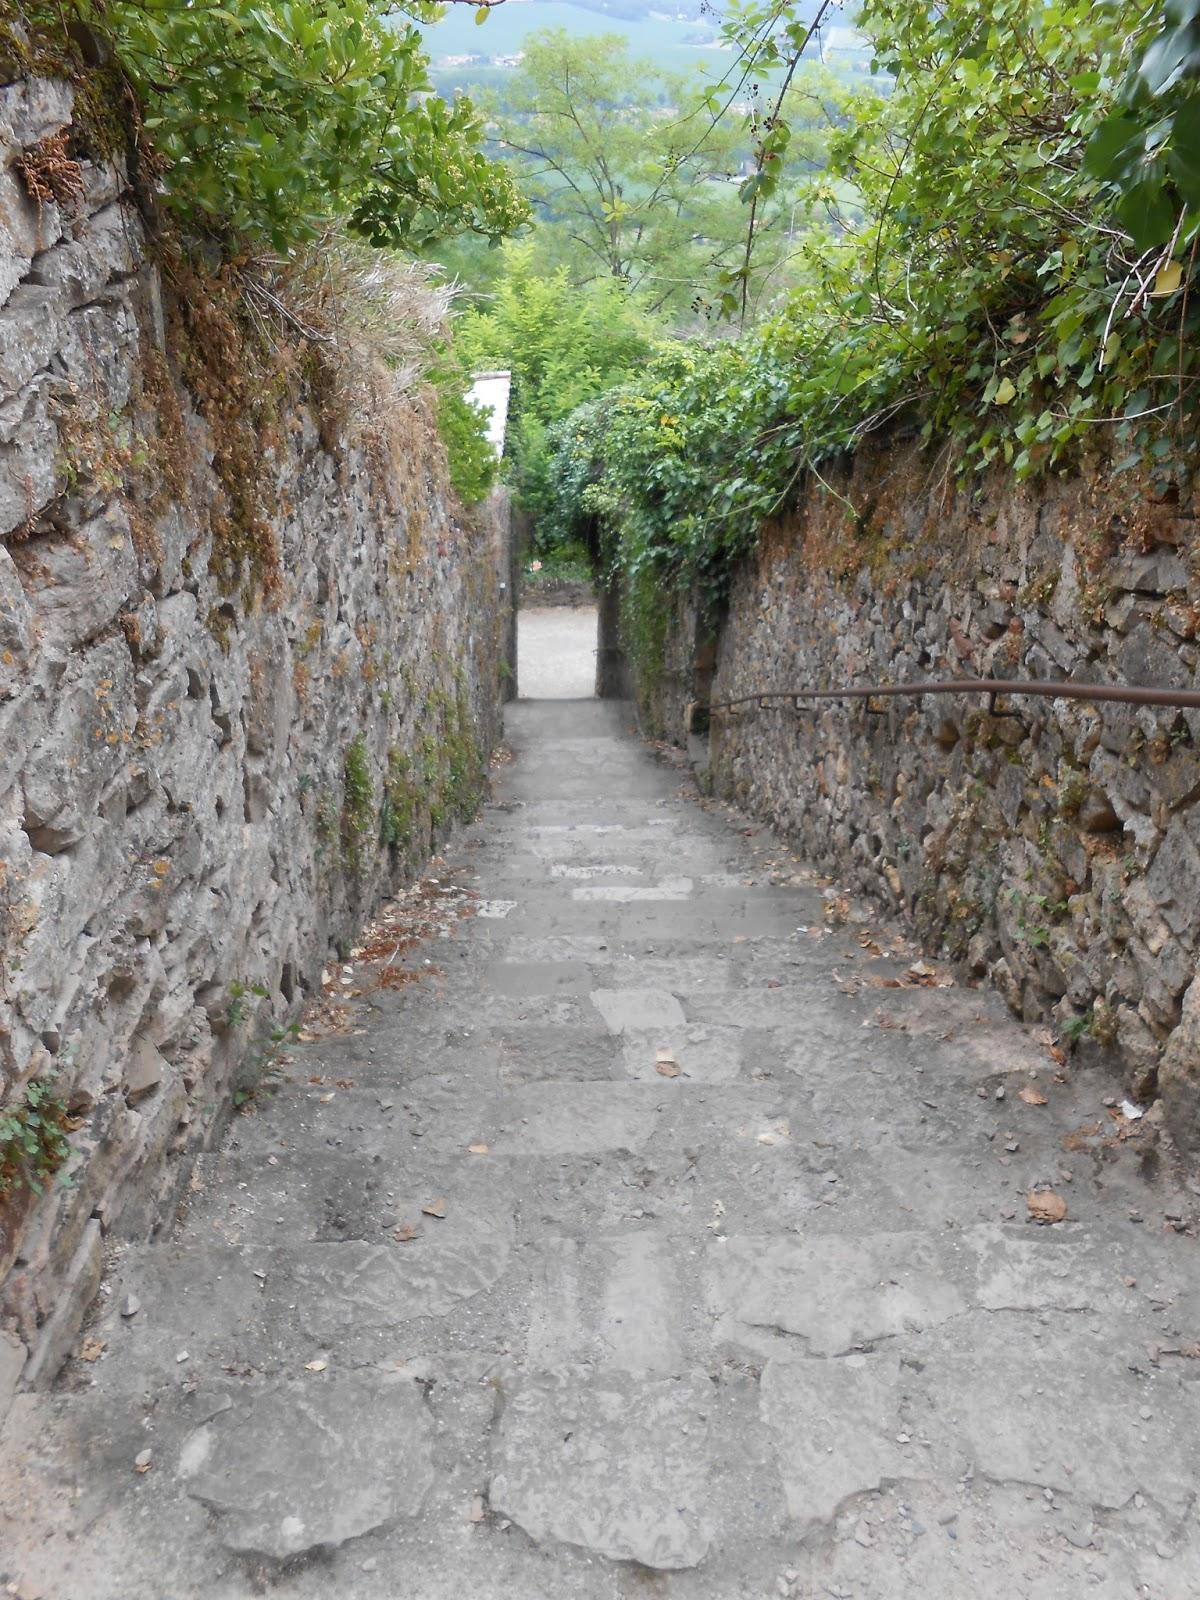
[(358, 803), (265, 1065), (1072, 791), (1074, 1030), (238, 1009), (33, 1138), (1034, 931)]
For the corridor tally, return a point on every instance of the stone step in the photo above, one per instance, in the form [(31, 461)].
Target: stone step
[(539, 1118), (671, 1470), (428, 1468)]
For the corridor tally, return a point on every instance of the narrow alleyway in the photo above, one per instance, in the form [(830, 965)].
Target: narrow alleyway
[(668, 1238)]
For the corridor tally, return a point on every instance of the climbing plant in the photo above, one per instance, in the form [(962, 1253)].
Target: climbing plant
[(974, 273), (470, 457)]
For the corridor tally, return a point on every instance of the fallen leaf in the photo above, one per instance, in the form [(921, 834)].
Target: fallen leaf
[(1080, 1138), (476, 1513), (91, 1349), (324, 1099), (477, 1149), (1046, 1206), (318, 1365), (1032, 1096), (406, 1233), (666, 1067), (435, 1208), (142, 1462)]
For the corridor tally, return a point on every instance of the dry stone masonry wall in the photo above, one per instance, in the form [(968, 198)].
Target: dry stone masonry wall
[(246, 680), (1053, 848)]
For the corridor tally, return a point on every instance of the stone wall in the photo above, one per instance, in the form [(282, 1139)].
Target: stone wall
[(250, 669), (1053, 847)]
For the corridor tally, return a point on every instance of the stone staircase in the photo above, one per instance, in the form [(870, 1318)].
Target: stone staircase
[(665, 1238)]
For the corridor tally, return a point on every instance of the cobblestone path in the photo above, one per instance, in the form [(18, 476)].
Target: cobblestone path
[(663, 1241)]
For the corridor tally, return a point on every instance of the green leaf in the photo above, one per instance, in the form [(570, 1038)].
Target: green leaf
[(1184, 159), (1109, 149), (1146, 214)]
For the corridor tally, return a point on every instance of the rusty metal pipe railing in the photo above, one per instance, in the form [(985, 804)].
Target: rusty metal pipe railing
[(1127, 694)]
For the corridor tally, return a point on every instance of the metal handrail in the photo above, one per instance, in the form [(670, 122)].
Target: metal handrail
[(1128, 694)]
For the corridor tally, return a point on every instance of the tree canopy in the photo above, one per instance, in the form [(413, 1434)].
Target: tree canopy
[(634, 174)]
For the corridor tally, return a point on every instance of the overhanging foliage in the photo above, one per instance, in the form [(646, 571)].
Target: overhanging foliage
[(271, 118), (988, 289)]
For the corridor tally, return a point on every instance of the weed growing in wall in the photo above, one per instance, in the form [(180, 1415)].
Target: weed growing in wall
[(401, 802), (33, 1138), (358, 804)]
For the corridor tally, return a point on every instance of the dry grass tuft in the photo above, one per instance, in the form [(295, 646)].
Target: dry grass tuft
[(357, 303)]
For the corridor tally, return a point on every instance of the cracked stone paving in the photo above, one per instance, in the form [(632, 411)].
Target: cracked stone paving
[(660, 1225)]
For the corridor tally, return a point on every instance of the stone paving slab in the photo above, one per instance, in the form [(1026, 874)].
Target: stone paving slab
[(342, 1482), (618, 1463), (838, 1294), (533, 1052)]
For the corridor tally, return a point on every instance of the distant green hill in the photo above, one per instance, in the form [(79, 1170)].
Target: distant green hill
[(674, 34)]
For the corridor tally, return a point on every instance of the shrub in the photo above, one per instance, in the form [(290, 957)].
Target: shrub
[(272, 117), (472, 461)]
